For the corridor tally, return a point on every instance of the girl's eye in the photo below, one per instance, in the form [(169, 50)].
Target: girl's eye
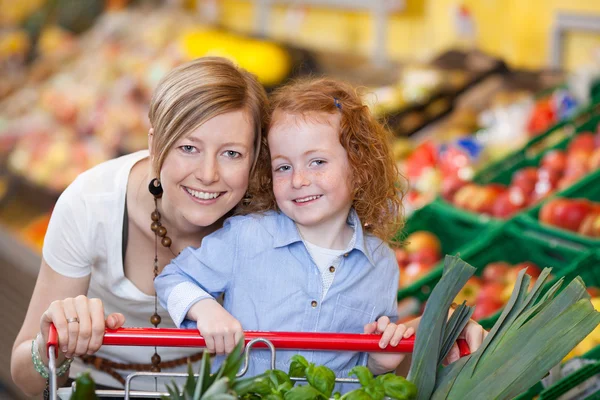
[(187, 148), (283, 168), (233, 154), (319, 162)]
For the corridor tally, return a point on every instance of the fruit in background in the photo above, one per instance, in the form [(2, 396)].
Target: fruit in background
[(491, 291), (565, 213), (509, 203), (419, 240), (413, 272), (584, 142), (486, 308), (469, 292), (532, 269), (542, 117), (593, 291), (478, 198), (555, 160), (525, 179), (427, 256), (401, 257), (496, 272), (590, 226), (594, 160)]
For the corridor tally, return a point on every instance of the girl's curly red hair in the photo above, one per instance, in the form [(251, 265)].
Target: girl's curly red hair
[(376, 182)]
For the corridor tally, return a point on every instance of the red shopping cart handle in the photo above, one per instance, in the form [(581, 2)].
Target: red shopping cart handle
[(165, 337)]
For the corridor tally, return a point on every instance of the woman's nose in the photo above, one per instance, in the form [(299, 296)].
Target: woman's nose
[(208, 171)]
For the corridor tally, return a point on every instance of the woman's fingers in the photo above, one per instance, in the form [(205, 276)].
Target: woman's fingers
[(96, 311), (85, 325), (72, 321)]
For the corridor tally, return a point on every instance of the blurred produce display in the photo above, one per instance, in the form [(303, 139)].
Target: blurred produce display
[(94, 107)]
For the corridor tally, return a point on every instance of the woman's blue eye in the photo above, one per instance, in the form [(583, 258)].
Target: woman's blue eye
[(187, 148), (233, 154)]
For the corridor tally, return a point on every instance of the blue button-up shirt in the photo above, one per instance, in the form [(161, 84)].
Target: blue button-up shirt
[(271, 283)]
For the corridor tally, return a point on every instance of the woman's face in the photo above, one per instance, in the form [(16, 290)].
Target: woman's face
[(206, 173)]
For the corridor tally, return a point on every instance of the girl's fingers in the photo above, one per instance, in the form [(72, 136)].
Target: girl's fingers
[(474, 335), (387, 335), (85, 325), (398, 335), (219, 344), (382, 324), (370, 327)]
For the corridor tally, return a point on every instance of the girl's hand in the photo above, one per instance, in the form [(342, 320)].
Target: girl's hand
[(80, 325), (219, 328), (391, 334), (473, 334)]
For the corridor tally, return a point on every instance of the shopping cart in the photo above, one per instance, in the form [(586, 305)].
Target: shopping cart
[(163, 337)]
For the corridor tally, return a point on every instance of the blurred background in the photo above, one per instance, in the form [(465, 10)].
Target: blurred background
[(475, 92)]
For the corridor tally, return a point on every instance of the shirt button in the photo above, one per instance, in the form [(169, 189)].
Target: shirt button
[(313, 303), (345, 254), (332, 269)]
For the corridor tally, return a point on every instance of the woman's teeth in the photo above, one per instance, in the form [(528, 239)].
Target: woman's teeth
[(305, 199), (203, 195)]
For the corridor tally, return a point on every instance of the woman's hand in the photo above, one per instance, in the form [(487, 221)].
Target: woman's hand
[(80, 324), (220, 329), (474, 334)]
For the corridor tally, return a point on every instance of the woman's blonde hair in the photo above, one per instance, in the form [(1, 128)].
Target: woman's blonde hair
[(376, 183), (197, 91)]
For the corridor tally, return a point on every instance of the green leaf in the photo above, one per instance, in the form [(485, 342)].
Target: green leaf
[(358, 394), (278, 377), (364, 375), (233, 362), (304, 392), (221, 396), (397, 387), (455, 325), (247, 385), (428, 341), (218, 387), (375, 390), (298, 367), (321, 378), (204, 379), (274, 396)]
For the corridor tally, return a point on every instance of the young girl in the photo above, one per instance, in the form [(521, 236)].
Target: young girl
[(313, 255)]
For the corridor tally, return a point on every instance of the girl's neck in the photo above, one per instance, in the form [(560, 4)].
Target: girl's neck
[(333, 235)]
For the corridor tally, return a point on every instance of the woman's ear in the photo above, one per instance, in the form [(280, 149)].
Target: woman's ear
[(150, 139)]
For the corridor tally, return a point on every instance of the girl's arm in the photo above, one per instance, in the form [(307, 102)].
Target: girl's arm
[(56, 298)]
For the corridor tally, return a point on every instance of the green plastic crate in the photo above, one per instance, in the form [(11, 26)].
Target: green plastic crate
[(454, 233), (507, 243), (588, 188), (530, 156), (588, 269)]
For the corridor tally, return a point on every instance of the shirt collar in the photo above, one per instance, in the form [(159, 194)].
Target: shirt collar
[(287, 233)]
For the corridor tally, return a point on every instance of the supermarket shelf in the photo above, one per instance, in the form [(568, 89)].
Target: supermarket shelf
[(15, 252)]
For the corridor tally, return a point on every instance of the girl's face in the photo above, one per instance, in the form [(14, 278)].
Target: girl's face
[(311, 171), (205, 174)]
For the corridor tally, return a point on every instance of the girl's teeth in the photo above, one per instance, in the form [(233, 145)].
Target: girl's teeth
[(304, 200), (202, 195)]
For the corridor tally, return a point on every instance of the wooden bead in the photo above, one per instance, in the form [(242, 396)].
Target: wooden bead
[(155, 368), (161, 231), (155, 359), (166, 241), (154, 226), (155, 215), (155, 320)]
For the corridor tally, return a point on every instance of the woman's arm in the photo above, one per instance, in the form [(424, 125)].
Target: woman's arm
[(56, 298)]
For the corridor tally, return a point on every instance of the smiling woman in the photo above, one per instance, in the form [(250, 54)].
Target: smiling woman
[(117, 225)]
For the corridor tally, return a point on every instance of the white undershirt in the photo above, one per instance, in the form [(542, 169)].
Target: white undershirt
[(325, 259)]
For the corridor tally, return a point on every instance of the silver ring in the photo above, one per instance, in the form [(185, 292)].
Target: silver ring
[(69, 320)]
